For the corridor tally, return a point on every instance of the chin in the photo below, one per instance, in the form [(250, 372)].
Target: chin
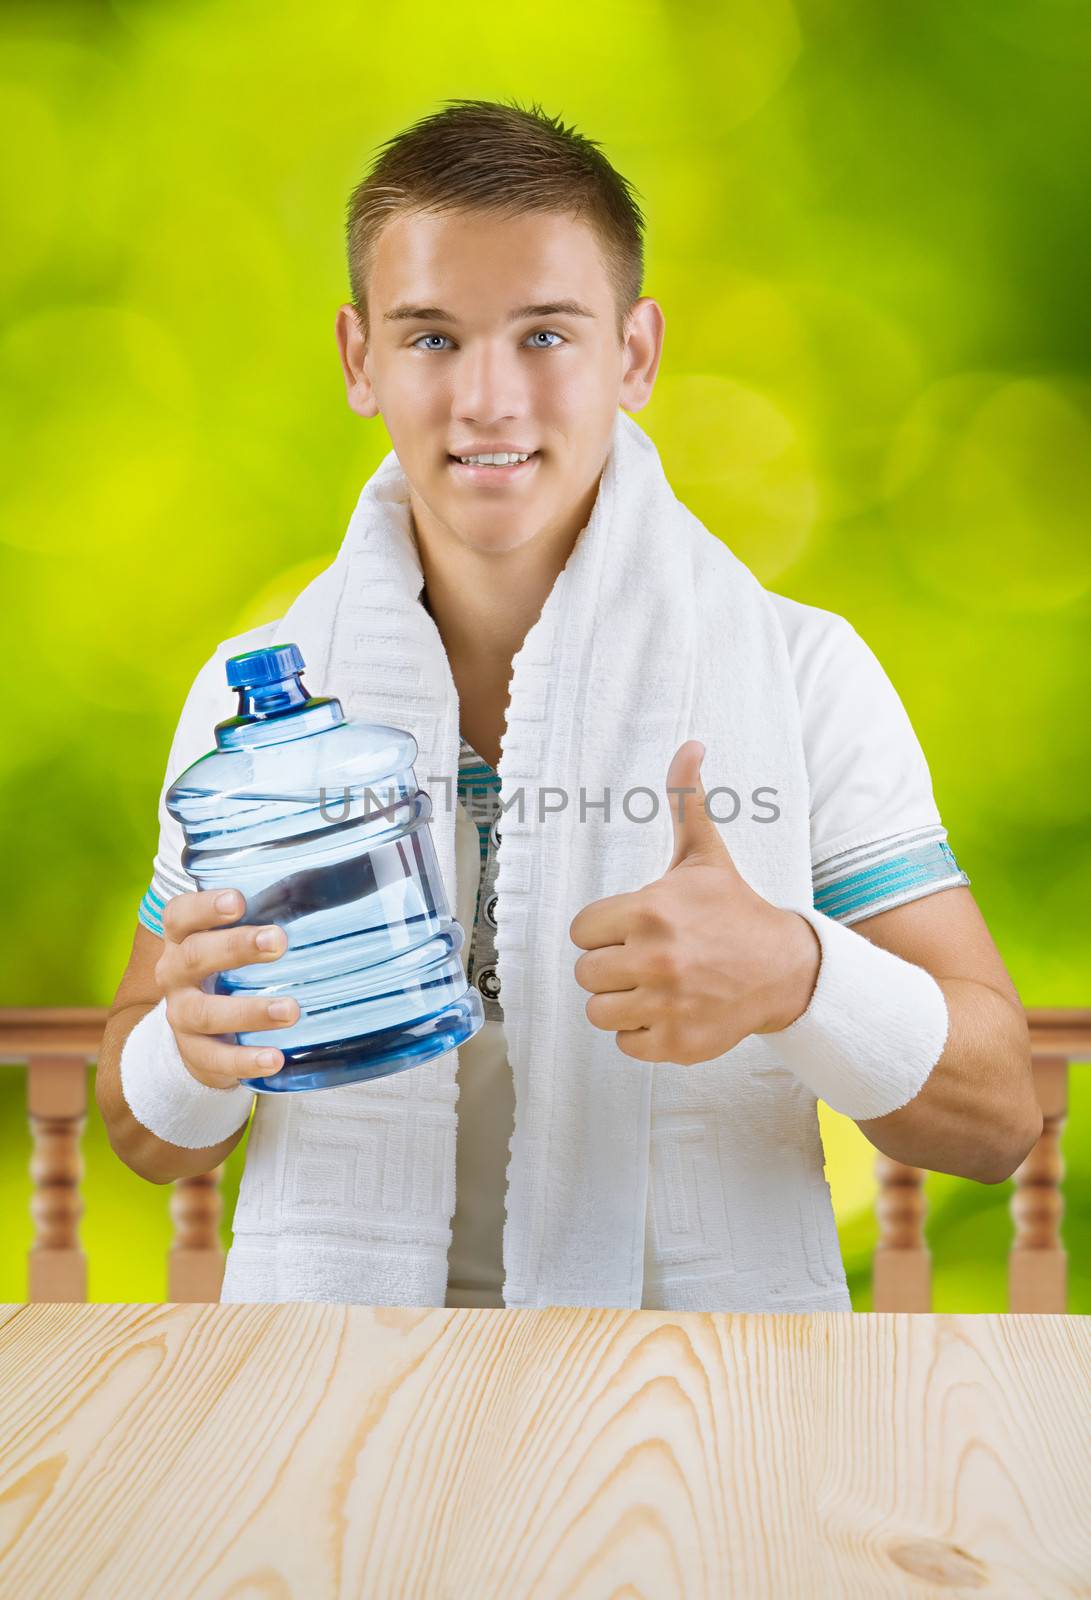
[(499, 543)]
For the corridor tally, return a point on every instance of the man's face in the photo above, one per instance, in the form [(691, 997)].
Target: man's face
[(491, 372)]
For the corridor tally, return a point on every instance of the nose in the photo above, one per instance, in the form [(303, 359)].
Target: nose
[(488, 386)]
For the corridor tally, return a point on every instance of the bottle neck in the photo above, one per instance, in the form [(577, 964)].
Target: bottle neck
[(271, 713), (269, 699)]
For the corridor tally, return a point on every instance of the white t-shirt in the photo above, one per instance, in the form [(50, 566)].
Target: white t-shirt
[(876, 842)]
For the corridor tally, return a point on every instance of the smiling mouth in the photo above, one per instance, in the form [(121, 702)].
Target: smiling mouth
[(485, 474)]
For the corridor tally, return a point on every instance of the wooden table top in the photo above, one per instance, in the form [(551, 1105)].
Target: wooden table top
[(303, 1450)]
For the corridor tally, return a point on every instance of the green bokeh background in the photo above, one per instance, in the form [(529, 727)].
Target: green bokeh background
[(869, 234)]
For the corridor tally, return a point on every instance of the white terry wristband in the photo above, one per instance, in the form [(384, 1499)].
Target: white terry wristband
[(874, 1029), (166, 1098)]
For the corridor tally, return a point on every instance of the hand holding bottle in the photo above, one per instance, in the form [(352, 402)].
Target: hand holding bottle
[(198, 944)]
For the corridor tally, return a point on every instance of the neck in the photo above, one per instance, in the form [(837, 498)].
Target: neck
[(484, 603)]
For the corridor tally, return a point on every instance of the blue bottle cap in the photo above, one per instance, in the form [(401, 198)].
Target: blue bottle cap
[(253, 668)]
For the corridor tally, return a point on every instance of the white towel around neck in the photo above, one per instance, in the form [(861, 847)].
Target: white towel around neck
[(653, 633)]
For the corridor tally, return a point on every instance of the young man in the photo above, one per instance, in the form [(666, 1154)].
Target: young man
[(496, 263)]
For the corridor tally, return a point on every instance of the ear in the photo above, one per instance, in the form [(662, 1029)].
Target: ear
[(353, 350), (645, 327)]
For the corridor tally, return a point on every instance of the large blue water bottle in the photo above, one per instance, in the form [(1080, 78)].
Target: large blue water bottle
[(318, 821)]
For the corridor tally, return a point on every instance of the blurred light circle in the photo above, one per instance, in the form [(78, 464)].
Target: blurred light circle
[(991, 476), (100, 431), (1002, 721), (851, 374), (34, 184), (842, 368), (273, 598), (737, 462)]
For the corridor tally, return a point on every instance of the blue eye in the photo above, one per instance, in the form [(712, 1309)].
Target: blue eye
[(549, 331)]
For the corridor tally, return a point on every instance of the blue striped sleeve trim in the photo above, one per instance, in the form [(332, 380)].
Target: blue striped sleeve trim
[(166, 883), (150, 912), (878, 877)]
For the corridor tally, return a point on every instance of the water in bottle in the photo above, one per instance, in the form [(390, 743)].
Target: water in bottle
[(319, 823)]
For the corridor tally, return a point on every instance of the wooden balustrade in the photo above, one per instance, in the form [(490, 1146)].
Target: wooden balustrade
[(1037, 1263), (57, 1045)]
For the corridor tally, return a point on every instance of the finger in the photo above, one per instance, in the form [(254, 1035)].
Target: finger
[(696, 836), (221, 1065), (607, 921), (612, 1012), (194, 1011), (606, 969), (639, 1043), (200, 955), (186, 913)]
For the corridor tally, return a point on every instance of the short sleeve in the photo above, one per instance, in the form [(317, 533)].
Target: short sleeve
[(208, 702), (877, 840)]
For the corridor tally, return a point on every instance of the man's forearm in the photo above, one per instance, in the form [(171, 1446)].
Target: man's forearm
[(977, 1115), (142, 1151)]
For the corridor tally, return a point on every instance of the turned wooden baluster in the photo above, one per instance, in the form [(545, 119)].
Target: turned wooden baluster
[(902, 1268), (1037, 1265), (57, 1108), (195, 1265)]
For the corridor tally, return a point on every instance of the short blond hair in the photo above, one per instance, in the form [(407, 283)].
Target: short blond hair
[(481, 155)]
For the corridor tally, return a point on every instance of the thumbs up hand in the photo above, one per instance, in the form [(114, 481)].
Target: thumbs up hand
[(685, 967)]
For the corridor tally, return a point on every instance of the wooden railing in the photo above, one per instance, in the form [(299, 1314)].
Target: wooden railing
[(1037, 1260), (57, 1045)]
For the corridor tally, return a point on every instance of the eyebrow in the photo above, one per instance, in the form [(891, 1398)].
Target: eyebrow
[(556, 308)]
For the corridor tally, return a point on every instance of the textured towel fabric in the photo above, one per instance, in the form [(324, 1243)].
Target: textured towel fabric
[(653, 633)]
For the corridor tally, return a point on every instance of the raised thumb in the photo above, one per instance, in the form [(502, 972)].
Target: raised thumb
[(696, 836)]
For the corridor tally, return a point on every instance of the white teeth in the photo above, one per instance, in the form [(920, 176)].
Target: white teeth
[(501, 460)]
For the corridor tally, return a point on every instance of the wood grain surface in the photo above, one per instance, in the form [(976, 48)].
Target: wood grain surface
[(262, 1452)]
